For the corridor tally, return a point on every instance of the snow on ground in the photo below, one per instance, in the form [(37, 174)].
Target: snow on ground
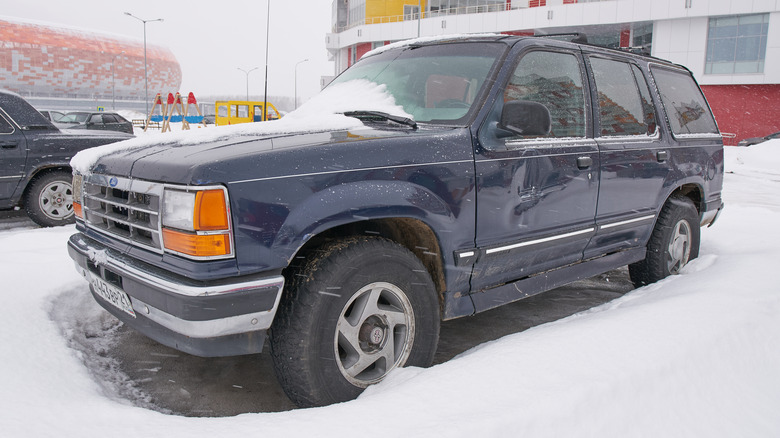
[(693, 355)]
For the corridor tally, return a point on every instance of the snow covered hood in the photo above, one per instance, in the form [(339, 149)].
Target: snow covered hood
[(321, 114)]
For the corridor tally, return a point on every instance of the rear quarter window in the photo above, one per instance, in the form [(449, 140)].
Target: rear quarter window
[(686, 108)]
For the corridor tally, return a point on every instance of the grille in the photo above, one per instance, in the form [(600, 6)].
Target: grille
[(125, 209)]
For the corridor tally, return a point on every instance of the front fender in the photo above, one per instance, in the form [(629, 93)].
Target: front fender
[(360, 201), (271, 233)]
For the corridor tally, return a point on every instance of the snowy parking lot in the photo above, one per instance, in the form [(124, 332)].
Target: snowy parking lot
[(693, 355)]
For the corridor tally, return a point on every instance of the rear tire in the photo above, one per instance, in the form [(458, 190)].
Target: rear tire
[(49, 199), (674, 243), (356, 310)]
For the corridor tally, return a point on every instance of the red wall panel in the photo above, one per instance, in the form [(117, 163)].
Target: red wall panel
[(745, 110)]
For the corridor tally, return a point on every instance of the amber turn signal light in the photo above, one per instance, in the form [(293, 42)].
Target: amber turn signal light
[(210, 211), (199, 245)]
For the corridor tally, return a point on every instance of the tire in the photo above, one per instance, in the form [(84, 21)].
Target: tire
[(49, 199), (356, 310), (674, 243)]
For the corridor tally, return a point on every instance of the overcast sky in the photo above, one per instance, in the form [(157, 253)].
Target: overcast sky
[(211, 39)]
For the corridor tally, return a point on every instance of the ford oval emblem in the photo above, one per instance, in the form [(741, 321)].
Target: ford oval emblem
[(113, 181)]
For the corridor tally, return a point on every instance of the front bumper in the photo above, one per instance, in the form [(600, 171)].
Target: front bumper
[(216, 318)]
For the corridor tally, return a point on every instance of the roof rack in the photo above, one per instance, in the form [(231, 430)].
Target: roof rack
[(577, 37), (581, 38), (639, 50)]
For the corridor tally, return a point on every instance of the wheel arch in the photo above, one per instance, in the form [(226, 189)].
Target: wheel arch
[(37, 173), (692, 191), (411, 233)]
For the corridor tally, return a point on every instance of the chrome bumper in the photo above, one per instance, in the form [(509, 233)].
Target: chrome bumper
[(218, 318)]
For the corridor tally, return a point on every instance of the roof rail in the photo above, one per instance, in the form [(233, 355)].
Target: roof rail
[(577, 37)]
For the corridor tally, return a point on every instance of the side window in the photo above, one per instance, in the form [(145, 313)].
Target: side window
[(108, 118), (5, 127), (555, 80), (625, 107), (96, 118), (684, 103)]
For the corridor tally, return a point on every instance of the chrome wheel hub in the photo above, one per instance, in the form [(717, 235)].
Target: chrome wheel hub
[(56, 200), (679, 249), (374, 333)]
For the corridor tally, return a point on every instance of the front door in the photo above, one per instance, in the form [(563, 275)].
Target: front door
[(13, 152), (536, 196)]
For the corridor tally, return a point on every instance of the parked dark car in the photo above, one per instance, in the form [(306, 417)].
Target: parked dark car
[(52, 115), (105, 121), (507, 166), (756, 140), (35, 161)]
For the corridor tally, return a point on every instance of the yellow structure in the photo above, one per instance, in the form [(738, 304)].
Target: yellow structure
[(241, 111), (389, 11)]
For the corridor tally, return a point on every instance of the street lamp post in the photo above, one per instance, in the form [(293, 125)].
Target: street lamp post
[(146, 76), (113, 81), (246, 72), (267, 37), (296, 81)]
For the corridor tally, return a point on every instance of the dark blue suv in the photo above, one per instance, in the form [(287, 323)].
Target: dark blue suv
[(482, 171)]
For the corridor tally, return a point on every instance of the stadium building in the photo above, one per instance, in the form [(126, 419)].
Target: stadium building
[(732, 46), (75, 68)]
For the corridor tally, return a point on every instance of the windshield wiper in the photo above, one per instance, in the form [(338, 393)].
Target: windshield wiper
[(369, 115)]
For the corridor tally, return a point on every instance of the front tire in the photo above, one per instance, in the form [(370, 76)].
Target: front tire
[(674, 243), (49, 199), (356, 310)]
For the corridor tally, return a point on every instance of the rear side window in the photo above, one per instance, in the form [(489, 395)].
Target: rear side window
[(684, 103), (554, 80), (5, 127), (625, 107)]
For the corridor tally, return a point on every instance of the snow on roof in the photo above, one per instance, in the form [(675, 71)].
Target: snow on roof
[(429, 39)]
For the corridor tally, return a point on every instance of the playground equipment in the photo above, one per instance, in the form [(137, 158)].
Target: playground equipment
[(167, 109), (232, 112)]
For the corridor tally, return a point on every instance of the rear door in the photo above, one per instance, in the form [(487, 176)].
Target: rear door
[(634, 155), (13, 154), (537, 195)]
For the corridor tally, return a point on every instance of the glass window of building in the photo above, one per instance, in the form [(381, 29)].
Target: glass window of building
[(737, 44), (357, 12)]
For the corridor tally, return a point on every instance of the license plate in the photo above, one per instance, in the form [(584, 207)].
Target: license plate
[(113, 295)]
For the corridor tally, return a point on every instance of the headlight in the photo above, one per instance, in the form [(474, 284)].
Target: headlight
[(178, 210), (78, 182), (196, 223)]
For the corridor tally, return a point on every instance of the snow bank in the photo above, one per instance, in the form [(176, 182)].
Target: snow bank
[(321, 113), (694, 355)]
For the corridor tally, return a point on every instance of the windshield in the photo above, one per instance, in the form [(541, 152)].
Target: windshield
[(438, 83), (74, 118)]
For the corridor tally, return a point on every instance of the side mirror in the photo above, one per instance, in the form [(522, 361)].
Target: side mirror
[(523, 117)]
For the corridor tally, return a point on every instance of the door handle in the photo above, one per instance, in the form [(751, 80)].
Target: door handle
[(584, 162), (9, 145), (662, 156)]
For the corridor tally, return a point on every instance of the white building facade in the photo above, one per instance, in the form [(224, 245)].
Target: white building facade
[(731, 46)]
